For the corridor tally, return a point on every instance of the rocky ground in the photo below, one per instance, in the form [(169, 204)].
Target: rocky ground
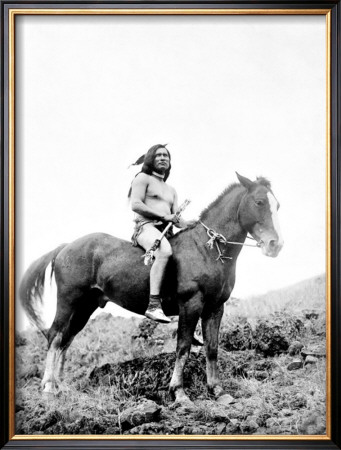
[(272, 370)]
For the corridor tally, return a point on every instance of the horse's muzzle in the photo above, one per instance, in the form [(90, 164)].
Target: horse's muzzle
[(267, 239), (271, 247)]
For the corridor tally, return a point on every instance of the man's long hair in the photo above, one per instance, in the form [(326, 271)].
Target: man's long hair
[(148, 162)]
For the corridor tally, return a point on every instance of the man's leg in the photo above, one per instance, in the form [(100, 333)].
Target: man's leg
[(146, 239)]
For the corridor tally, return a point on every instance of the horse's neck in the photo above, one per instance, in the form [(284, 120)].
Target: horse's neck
[(222, 215)]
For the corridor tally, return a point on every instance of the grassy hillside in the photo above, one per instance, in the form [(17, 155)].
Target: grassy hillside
[(307, 295)]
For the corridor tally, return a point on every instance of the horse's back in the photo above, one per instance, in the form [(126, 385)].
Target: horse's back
[(105, 263), (98, 239), (100, 245)]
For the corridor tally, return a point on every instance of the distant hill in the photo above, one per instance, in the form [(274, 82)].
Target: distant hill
[(306, 295)]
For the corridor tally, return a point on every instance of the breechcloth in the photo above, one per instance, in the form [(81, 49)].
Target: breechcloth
[(139, 224)]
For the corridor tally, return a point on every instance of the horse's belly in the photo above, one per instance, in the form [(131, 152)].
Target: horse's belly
[(128, 292)]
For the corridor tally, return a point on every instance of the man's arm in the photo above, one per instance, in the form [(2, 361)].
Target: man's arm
[(138, 196)]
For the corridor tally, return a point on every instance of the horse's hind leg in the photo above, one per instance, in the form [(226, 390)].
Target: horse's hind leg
[(189, 314), (70, 319), (210, 326)]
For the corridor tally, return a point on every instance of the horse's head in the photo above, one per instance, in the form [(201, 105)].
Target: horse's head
[(257, 214)]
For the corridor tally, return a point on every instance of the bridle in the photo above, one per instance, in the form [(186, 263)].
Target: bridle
[(217, 238)]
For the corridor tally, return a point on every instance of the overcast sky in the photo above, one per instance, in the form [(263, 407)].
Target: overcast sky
[(227, 93)]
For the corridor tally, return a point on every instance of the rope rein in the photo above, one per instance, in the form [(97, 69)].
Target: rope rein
[(217, 238)]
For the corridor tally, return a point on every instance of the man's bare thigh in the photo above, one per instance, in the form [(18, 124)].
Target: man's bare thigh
[(148, 236)]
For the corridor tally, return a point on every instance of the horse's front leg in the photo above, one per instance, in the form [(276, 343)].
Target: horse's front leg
[(189, 313), (210, 327)]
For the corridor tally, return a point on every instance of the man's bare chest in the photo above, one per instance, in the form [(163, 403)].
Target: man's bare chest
[(158, 190)]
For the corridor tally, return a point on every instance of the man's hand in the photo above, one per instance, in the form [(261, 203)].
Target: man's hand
[(171, 218), (186, 224)]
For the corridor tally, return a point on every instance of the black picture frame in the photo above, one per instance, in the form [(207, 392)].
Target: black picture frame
[(7, 226)]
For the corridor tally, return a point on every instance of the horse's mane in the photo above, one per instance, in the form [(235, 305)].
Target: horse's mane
[(213, 203), (226, 191), (259, 180)]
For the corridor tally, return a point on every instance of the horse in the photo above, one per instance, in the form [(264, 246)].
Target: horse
[(199, 279)]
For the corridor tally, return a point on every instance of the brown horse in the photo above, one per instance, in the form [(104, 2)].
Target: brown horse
[(98, 268)]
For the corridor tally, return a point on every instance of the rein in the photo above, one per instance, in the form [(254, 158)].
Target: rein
[(216, 238)]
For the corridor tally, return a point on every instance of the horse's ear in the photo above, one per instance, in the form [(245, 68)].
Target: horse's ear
[(248, 184)]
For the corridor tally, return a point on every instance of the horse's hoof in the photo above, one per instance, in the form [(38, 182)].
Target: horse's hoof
[(183, 405), (49, 390), (218, 391), (48, 396), (182, 401)]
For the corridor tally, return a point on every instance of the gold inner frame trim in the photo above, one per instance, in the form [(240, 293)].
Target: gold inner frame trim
[(328, 225), (11, 221), (11, 105), (176, 12)]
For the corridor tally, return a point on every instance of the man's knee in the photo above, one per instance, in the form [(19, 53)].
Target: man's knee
[(165, 250)]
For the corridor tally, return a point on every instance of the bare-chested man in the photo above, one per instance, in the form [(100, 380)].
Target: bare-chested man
[(155, 204)]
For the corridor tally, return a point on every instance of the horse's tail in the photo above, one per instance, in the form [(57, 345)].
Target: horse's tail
[(32, 288)]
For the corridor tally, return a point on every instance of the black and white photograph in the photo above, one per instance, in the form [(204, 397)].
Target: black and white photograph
[(172, 225)]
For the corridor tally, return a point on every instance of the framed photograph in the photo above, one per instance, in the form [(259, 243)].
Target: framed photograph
[(170, 233)]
